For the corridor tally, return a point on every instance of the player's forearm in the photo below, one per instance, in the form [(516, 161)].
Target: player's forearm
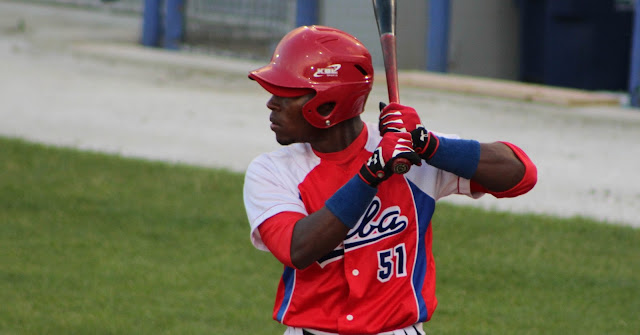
[(319, 233), (314, 236), (499, 169)]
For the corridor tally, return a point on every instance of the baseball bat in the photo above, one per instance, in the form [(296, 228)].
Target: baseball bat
[(385, 13)]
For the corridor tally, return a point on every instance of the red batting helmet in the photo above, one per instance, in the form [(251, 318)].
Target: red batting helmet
[(326, 60)]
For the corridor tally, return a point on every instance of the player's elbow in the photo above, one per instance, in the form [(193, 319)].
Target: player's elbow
[(300, 259), (505, 170), (524, 185)]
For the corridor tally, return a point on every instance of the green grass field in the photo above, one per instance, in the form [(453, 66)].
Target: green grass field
[(98, 244)]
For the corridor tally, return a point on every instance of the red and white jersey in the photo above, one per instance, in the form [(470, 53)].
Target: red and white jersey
[(382, 277)]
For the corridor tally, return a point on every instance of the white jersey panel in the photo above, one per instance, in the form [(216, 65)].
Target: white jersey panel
[(271, 185)]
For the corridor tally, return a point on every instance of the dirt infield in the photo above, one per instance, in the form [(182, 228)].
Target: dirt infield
[(78, 78)]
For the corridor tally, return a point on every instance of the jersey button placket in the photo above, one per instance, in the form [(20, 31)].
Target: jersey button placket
[(353, 273)]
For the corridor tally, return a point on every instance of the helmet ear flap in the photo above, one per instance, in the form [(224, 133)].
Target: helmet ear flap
[(324, 110), (321, 113)]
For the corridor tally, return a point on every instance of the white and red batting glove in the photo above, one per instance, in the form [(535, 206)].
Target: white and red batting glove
[(393, 145), (399, 118)]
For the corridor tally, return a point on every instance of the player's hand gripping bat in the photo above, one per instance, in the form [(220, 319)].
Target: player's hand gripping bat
[(385, 12)]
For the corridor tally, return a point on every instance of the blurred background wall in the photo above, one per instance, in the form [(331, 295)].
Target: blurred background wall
[(572, 43)]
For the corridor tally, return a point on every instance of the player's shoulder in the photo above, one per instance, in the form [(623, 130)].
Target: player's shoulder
[(282, 159), (373, 136)]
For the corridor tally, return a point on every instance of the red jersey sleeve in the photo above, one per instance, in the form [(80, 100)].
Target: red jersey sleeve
[(276, 233), (529, 179)]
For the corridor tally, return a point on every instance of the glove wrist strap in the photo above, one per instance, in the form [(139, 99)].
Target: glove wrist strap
[(370, 177), (433, 142), (425, 142)]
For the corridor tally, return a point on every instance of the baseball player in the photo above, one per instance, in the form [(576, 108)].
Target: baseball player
[(354, 238)]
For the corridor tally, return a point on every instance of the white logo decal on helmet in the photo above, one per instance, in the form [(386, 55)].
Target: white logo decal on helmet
[(329, 71)]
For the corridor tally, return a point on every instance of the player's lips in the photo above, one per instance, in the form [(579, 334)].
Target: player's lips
[(274, 124)]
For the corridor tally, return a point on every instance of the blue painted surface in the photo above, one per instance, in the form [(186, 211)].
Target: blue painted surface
[(151, 23), (163, 23), (584, 44), (307, 12), (634, 72), (174, 24), (438, 36)]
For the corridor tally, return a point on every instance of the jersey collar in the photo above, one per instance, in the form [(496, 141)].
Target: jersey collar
[(348, 152)]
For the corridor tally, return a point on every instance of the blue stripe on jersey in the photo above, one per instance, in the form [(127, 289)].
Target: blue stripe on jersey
[(425, 206), (288, 277)]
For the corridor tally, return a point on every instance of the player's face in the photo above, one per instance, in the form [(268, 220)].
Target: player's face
[(287, 121)]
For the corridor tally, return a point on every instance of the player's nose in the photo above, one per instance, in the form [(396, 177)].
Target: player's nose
[(273, 103)]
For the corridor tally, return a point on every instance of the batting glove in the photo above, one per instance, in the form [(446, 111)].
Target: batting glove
[(378, 167), (397, 118), (425, 143)]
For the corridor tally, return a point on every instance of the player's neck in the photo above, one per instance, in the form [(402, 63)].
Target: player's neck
[(338, 137)]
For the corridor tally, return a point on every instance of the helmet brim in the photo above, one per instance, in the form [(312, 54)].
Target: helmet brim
[(280, 91)]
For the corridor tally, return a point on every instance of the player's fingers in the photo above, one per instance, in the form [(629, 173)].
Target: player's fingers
[(412, 157)]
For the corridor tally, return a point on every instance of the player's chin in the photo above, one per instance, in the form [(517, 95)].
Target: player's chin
[(284, 140), (283, 135)]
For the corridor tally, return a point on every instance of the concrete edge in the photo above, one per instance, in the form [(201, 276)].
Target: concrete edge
[(507, 89)]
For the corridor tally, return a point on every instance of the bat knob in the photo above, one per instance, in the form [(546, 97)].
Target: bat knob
[(401, 166)]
